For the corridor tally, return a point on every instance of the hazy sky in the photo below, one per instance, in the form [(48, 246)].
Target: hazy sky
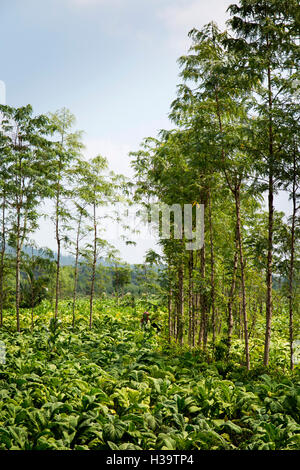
[(111, 62)]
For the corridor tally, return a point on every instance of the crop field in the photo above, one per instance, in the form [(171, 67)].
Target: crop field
[(119, 386)]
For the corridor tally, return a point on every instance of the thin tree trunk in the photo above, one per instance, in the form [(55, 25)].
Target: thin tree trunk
[(180, 305), (170, 325), (32, 306), (232, 291), (76, 269), (202, 338), (190, 297), (3, 248), (241, 334), (243, 286), (94, 266), (175, 320), (203, 302), (212, 273), (291, 268), (32, 292), (18, 264), (219, 329), (269, 303), (58, 241)]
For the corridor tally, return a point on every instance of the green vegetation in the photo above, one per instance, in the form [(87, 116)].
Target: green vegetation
[(235, 139), (217, 366), (120, 386)]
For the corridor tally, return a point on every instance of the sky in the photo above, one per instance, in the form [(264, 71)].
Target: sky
[(113, 63)]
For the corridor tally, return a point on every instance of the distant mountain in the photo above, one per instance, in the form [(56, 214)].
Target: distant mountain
[(65, 260)]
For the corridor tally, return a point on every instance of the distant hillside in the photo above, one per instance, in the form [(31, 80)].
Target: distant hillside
[(65, 260)]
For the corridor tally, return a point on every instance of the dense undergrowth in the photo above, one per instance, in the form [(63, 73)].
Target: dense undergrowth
[(119, 386)]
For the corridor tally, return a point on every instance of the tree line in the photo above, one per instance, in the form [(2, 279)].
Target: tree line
[(235, 139), (41, 163)]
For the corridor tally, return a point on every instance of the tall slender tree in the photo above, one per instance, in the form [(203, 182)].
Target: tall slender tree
[(265, 38), (67, 144), (29, 168), (97, 190)]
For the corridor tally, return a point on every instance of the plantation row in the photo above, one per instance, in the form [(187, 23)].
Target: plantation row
[(121, 386)]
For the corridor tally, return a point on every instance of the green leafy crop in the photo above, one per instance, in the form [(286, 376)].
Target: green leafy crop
[(116, 386)]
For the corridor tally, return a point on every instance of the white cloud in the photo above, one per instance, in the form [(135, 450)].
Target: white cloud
[(116, 154), (180, 18)]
